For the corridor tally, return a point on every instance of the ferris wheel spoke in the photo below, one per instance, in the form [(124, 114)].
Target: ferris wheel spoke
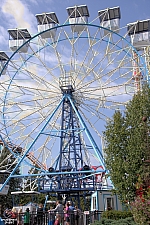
[(43, 64), (27, 116), (91, 70), (88, 56), (93, 124), (33, 76)]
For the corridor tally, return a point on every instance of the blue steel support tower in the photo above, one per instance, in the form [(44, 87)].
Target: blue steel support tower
[(71, 148), (70, 145)]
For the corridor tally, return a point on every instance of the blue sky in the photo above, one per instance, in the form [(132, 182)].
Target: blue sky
[(21, 13)]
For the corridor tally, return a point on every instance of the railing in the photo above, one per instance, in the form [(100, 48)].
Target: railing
[(48, 218)]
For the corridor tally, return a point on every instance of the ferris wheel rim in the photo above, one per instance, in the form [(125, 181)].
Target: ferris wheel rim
[(76, 24), (59, 26)]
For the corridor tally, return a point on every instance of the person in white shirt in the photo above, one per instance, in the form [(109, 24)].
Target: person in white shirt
[(59, 211)]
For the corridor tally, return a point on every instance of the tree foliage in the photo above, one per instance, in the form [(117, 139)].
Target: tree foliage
[(7, 163), (127, 144)]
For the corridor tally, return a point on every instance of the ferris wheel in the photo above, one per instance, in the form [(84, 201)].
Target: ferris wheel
[(58, 90)]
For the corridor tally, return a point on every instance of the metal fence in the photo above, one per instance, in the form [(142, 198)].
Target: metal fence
[(48, 218)]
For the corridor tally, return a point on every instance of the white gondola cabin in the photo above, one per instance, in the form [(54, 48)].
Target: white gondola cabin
[(110, 19), (18, 37), (78, 15), (3, 60), (139, 33), (45, 22)]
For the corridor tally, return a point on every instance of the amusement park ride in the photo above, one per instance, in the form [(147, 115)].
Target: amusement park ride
[(58, 89)]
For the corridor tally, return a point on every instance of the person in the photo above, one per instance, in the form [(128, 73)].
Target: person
[(40, 214), (59, 211), (19, 218), (14, 215), (51, 216), (7, 213), (76, 215), (27, 217), (67, 218), (64, 220), (7, 216), (71, 212), (71, 207), (58, 220)]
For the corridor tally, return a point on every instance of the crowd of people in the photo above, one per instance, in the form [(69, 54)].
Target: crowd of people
[(64, 214), (16, 217), (59, 215)]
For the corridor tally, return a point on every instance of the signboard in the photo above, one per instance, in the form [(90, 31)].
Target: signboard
[(5, 189), (86, 212)]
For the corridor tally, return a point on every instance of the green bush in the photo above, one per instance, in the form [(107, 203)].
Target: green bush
[(103, 221), (126, 221), (116, 215), (141, 210)]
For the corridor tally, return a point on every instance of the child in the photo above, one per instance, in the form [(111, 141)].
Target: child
[(27, 217), (57, 221), (14, 215)]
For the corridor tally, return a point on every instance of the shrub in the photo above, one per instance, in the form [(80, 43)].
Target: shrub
[(116, 215), (141, 210), (126, 221), (140, 207), (103, 221)]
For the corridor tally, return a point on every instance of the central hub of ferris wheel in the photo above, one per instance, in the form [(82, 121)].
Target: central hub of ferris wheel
[(67, 84)]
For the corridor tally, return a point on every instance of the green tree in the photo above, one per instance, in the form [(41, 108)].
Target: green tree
[(127, 144), (7, 163)]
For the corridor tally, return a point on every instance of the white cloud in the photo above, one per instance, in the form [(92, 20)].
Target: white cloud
[(3, 36), (18, 14)]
